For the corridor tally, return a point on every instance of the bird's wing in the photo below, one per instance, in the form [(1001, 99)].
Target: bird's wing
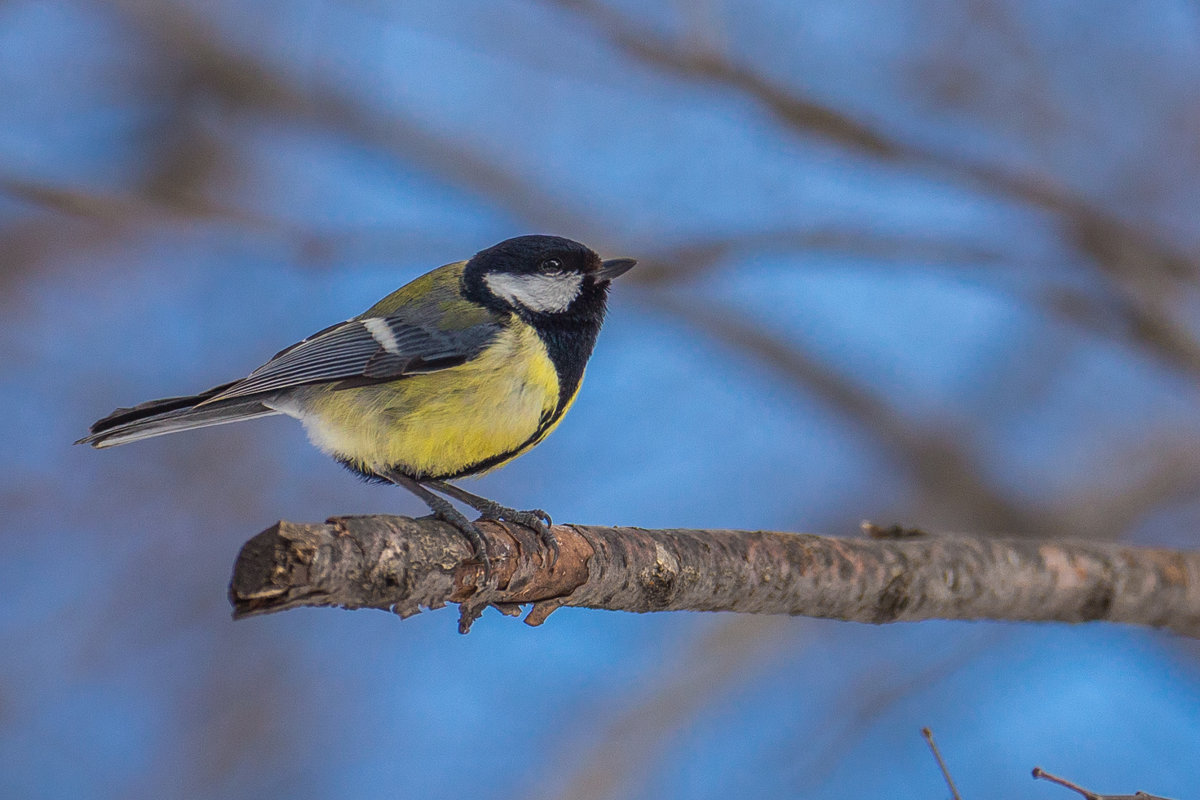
[(367, 349)]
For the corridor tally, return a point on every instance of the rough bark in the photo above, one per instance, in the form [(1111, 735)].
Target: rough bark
[(402, 565)]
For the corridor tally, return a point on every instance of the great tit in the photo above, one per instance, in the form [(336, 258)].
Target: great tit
[(456, 373)]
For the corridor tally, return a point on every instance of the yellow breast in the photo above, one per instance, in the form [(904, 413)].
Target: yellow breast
[(462, 420)]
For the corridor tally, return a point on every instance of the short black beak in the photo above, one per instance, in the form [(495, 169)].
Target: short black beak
[(614, 268)]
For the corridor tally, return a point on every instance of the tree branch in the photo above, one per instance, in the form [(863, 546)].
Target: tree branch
[(402, 564)]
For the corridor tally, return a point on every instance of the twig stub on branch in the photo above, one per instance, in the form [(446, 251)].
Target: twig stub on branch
[(403, 564)]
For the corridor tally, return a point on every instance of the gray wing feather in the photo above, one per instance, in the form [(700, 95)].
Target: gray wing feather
[(350, 351)]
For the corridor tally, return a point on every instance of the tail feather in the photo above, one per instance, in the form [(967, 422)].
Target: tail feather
[(170, 415)]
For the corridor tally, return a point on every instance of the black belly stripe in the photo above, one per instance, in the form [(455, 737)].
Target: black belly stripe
[(569, 347)]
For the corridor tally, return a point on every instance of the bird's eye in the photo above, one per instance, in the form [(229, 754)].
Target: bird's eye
[(551, 265)]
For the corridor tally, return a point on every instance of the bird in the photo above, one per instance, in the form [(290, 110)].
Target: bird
[(454, 374)]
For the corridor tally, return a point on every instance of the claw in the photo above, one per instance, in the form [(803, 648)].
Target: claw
[(540, 521), (536, 519), (551, 542)]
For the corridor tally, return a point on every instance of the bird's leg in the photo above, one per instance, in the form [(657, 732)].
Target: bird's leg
[(535, 518), (446, 512), (490, 509)]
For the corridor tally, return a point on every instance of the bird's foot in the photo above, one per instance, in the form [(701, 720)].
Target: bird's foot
[(534, 518)]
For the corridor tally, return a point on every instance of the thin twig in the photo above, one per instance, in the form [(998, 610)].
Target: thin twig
[(928, 734), (1038, 772)]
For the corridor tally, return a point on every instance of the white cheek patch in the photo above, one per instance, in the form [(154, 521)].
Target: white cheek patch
[(547, 294)]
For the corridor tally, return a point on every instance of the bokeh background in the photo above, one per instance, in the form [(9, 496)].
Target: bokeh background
[(927, 262)]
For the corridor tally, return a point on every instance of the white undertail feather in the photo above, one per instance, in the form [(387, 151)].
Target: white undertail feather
[(175, 421)]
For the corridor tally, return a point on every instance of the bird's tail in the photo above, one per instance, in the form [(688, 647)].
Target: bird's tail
[(172, 414)]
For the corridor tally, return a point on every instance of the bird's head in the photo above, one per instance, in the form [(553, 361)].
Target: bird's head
[(542, 276)]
